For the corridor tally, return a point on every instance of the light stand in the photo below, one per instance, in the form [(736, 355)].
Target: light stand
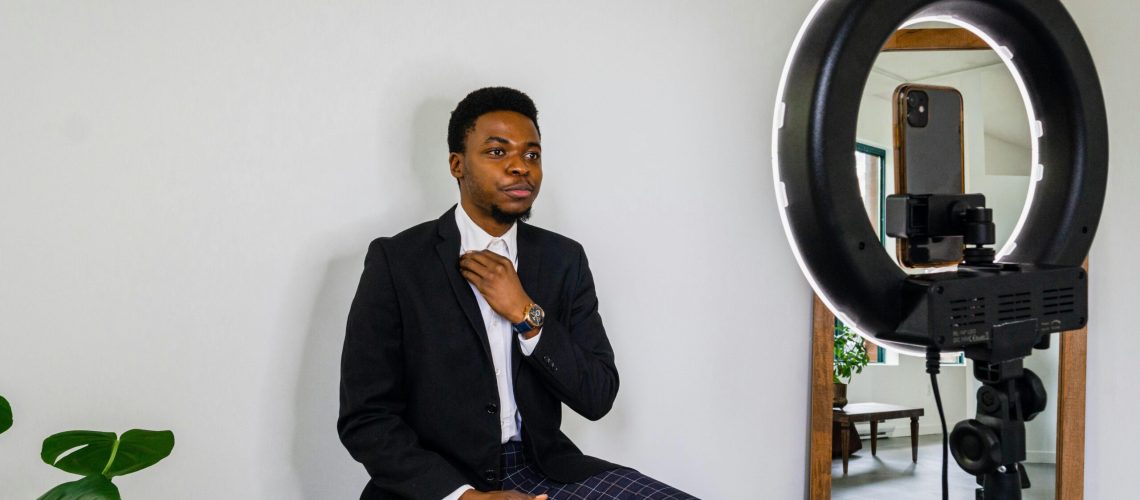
[(992, 446), (997, 324), (995, 310)]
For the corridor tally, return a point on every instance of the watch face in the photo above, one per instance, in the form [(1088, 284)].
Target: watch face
[(535, 315)]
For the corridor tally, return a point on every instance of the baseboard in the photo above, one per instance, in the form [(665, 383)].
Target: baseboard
[(902, 429)]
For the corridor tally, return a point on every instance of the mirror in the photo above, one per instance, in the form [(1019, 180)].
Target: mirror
[(996, 162), (995, 128)]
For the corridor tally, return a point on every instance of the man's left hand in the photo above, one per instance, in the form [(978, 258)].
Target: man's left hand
[(495, 277)]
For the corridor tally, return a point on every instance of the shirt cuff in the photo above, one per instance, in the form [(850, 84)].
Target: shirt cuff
[(528, 345), (459, 492)]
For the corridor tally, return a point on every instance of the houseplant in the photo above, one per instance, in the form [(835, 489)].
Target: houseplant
[(97, 456), (850, 358), (5, 415), (100, 456)]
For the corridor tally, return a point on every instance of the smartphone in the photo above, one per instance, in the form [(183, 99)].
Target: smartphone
[(929, 159)]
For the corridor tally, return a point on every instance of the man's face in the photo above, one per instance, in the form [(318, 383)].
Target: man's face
[(500, 169)]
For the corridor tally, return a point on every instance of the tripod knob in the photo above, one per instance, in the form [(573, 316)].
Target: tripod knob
[(975, 447), (1031, 394), (979, 226)]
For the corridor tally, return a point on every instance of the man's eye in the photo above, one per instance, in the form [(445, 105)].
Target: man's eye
[(531, 155)]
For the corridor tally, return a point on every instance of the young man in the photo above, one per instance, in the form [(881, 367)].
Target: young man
[(469, 333)]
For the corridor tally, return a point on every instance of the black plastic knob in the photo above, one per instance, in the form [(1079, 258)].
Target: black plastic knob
[(975, 447), (1031, 394)]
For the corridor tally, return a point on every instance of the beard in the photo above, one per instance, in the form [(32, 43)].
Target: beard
[(508, 218)]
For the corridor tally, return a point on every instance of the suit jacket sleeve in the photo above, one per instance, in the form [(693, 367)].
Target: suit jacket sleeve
[(372, 395), (574, 357)]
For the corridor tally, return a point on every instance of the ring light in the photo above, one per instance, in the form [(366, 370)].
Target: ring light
[(814, 136), (996, 312)]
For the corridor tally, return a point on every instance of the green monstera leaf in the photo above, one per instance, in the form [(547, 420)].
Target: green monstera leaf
[(85, 453), (88, 488), (5, 415), (91, 453)]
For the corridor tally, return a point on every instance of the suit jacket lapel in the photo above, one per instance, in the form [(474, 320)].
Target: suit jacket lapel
[(530, 257), (448, 250)]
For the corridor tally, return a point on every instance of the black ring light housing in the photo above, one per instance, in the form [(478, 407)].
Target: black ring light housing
[(814, 139), (996, 312)]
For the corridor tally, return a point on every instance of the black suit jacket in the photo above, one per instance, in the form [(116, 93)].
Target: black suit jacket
[(418, 399)]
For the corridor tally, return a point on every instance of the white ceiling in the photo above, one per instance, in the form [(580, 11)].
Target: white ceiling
[(922, 64)]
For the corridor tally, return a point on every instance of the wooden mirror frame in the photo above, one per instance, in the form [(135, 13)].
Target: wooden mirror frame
[(1070, 468)]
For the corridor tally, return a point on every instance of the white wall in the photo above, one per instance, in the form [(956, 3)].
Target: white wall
[(1111, 437), (187, 191), (1041, 432), (907, 384)]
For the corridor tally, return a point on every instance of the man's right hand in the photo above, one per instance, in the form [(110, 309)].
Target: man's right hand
[(498, 495)]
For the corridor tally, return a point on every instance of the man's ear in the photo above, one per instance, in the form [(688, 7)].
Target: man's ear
[(455, 160)]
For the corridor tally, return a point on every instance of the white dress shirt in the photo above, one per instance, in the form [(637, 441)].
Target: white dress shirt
[(474, 238)]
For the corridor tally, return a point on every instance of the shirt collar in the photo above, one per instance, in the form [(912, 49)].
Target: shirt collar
[(472, 237)]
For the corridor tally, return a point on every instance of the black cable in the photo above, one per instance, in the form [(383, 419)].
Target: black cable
[(933, 362)]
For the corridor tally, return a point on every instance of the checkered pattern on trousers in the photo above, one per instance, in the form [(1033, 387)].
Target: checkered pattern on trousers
[(617, 484)]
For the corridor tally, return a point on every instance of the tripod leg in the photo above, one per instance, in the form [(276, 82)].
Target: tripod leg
[(992, 446)]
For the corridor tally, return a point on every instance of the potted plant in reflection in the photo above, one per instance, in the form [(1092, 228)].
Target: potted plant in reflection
[(850, 358)]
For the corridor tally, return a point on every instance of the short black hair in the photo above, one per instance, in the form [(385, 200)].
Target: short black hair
[(481, 102)]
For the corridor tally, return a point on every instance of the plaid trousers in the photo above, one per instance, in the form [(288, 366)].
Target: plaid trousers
[(618, 484)]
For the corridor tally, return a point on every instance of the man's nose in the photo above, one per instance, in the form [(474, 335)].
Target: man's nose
[(517, 167)]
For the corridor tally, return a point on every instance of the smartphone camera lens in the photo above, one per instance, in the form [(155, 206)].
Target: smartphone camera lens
[(917, 110)]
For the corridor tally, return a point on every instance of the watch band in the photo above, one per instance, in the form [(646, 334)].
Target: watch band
[(522, 327)]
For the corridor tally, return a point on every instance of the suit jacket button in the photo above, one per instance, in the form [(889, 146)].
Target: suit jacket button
[(490, 475), (492, 408)]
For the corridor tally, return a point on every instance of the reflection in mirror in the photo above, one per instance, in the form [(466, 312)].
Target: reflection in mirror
[(997, 157)]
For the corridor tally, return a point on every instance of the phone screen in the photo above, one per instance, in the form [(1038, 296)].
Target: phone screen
[(929, 159)]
